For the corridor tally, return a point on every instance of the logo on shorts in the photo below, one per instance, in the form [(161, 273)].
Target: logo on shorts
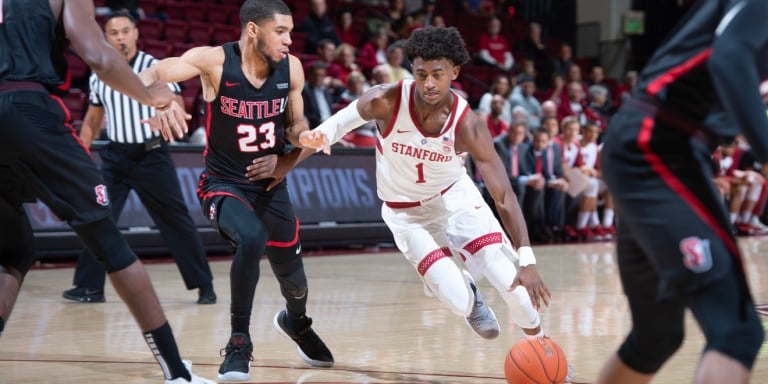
[(101, 195), (212, 212), (696, 254)]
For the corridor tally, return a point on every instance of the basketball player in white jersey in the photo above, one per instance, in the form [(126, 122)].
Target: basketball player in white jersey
[(431, 205)]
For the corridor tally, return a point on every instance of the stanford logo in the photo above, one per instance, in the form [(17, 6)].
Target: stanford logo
[(212, 212), (696, 254), (101, 195)]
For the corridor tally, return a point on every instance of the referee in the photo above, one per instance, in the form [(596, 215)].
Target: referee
[(137, 158)]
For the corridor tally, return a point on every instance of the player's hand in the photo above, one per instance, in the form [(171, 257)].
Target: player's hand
[(283, 165), (529, 278), (160, 96), (315, 140), (171, 121), (261, 168)]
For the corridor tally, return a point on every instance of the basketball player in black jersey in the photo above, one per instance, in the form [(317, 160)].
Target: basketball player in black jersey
[(41, 156), (253, 89), (675, 245)]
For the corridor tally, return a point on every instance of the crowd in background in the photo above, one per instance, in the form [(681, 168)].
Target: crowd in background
[(546, 109)]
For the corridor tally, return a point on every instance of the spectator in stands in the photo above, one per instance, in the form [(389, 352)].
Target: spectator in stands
[(599, 101), (549, 109), (590, 154), (511, 149), (493, 47), (552, 126), (597, 77), (380, 75), (624, 89), (520, 115), (496, 125), (528, 67), (428, 10), (365, 136), (499, 86), (318, 26), (343, 63), (317, 95), (544, 199), (533, 47), (525, 99), (746, 187), (374, 52), (394, 65), (396, 17), (564, 60), (557, 91), (438, 21), (346, 30), (576, 105)]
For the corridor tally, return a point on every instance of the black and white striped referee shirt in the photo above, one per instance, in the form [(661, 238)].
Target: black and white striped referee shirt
[(124, 114)]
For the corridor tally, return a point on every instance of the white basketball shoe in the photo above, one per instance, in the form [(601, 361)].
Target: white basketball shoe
[(482, 320), (195, 379)]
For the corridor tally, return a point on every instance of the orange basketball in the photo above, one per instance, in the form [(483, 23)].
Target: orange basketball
[(538, 361)]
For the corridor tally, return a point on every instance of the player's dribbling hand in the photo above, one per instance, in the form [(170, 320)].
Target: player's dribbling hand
[(171, 121), (261, 167), (529, 278), (315, 140)]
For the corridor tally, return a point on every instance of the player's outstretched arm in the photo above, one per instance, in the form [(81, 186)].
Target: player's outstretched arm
[(376, 103), (473, 137)]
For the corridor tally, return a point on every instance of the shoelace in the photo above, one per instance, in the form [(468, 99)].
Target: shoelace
[(234, 349)]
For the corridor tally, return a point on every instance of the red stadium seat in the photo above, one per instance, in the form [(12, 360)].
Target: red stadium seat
[(157, 48), (223, 33), (199, 33), (176, 31), (151, 29), (75, 101)]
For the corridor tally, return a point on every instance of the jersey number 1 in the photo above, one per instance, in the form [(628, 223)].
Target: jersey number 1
[(250, 134), (420, 170)]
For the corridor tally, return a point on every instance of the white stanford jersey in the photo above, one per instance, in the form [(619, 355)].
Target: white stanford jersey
[(411, 165), (589, 153)]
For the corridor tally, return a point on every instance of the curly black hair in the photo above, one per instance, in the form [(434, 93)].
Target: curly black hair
[(259, 11), (435, 43)]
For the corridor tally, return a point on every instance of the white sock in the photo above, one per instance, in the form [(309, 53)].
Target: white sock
[(583, 219), (608, 217), (595, 219), (733, 216)]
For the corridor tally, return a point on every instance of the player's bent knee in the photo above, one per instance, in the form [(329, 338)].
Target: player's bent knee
[(103, 240), (647, 352), (293, 284), (447, 283), (741, 340)]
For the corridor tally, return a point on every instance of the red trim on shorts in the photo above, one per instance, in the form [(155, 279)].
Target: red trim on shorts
[(67, 120), (447, 251), (675, 73), (481, 242), (644, 143), (428, 260), (209, 195), (412, 204), (287, 244), (395, 113)]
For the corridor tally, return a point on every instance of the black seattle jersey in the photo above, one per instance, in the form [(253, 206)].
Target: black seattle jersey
[(245, 122), (28, 43), (679, 74)]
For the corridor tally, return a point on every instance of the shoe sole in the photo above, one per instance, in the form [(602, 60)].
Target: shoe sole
[(81, 299), (307, 359), (234, 376)]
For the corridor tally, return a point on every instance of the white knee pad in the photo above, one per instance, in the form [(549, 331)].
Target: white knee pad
[(501, 273), (445, 281)]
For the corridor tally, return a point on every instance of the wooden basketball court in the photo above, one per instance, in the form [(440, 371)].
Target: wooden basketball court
[(370, 310)]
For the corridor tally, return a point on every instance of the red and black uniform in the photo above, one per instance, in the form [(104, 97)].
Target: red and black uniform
[(244, 123), (40, 154), (675, 244)]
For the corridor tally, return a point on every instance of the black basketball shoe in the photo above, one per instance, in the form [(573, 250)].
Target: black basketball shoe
[(237, 358), (310, 347)]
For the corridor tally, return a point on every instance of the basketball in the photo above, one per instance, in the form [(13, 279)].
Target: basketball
[(539, 361)]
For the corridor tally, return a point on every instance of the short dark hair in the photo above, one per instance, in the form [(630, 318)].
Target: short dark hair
[(435, 43), (259, 11), (120, 13)]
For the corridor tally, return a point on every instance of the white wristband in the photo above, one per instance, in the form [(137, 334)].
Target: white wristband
[(525, 256)]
